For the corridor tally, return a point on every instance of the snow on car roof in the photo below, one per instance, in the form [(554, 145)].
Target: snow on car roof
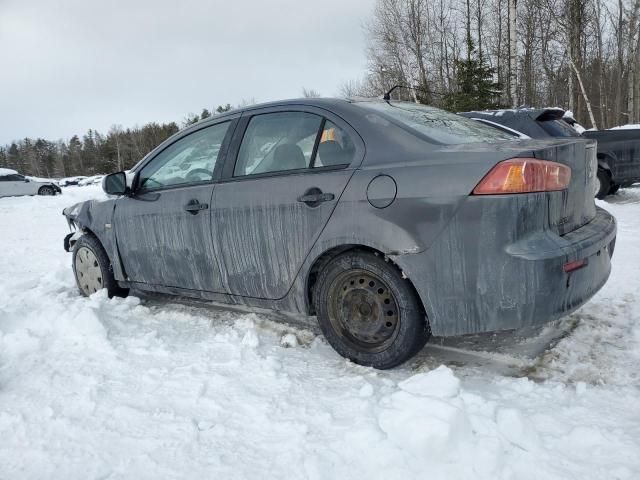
[(627, 127), (7, 171)]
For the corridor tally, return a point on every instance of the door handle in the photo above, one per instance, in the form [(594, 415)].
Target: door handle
[(314, 197), (194, 206)]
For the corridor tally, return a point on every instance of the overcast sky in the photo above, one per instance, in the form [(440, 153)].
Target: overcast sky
[(66, 66)]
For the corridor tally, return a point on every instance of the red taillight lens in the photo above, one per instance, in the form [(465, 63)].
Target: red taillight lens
[(524, 175)]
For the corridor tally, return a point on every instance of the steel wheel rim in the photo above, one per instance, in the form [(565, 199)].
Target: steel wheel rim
[(88, 271), (363, 310), (47, 191)]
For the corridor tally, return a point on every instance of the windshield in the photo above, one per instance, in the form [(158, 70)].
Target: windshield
[(437, 125)]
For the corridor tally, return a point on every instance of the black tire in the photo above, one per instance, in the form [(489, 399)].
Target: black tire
[(102, 264), (46, 190), (604, 180), (367, 312), (614, 189)]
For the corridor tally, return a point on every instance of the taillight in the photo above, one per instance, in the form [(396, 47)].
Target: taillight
[(524, 175)]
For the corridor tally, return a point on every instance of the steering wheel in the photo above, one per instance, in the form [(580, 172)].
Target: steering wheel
[(194, 174)]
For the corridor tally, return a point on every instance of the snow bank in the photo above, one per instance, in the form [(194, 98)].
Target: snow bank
[(124, 388)]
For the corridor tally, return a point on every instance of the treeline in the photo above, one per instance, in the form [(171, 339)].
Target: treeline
[(459, 54), (94, 153)]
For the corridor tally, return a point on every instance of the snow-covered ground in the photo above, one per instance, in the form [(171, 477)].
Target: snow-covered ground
[(124, 388)]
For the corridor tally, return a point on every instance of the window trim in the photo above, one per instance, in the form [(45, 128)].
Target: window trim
[(281, 173), (224, 149)]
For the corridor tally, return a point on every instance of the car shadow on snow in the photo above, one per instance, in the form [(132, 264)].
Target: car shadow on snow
[(629, 195), (513, 353)]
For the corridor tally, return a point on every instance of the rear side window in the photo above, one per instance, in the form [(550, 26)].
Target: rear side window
[(286, 141), (435, 124), (275, 142), (335, 147), (558, 128)]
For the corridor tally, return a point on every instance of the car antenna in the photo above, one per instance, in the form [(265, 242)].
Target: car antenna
[(387, 96)]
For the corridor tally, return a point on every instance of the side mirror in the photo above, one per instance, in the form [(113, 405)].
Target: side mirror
[(26, 180), (115, 183)]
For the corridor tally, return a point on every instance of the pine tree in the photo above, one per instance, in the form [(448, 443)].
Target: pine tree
[(475, 85), (225, 108)]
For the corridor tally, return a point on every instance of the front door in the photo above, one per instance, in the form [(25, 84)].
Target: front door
[(163, 230), (290, 170)]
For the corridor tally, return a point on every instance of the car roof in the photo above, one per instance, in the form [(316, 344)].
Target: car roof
[(7, 171)]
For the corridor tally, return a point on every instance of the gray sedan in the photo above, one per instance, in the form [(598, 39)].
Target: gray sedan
[(387, 221)]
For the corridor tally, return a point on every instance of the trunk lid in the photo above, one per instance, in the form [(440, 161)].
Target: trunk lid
[(574, 207)]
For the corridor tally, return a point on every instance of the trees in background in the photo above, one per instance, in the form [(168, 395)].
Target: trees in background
[(579, 54), (94, 153)]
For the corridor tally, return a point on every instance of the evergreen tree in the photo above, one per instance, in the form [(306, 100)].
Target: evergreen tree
[(475, 85), (223, 109)]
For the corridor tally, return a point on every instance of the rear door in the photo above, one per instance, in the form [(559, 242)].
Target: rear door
[(163, 230), (279, 188)]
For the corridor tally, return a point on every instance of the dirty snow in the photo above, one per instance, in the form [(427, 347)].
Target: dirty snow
[(139, 388)]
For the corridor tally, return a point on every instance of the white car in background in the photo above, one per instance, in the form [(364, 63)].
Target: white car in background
[(13, 184)]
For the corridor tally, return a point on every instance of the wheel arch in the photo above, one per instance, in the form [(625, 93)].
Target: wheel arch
[(329, 254), (46, 186), (604, 161)]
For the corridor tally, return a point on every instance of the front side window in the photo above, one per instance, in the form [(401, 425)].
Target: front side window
[(13, 178), (435, 124), (192, 159), (276, 142)]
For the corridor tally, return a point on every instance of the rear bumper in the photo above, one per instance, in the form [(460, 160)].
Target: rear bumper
[(488, 282)]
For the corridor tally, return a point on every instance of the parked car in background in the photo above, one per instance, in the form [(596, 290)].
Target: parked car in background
[(14, 184), (68, 181), (94, 180), (618, 156), (389, 221), (618, 150)]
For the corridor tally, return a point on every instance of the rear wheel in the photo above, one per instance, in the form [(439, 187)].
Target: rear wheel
[(603, 185), (368, 312), (46, 190), (92, 268)]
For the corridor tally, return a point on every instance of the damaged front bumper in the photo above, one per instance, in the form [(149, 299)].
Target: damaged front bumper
[(70, 214)]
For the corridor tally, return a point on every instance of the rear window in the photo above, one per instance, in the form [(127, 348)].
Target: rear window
[(435, 124), (558, 128)]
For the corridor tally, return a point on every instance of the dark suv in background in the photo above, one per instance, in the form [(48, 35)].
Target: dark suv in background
[(618, 150)]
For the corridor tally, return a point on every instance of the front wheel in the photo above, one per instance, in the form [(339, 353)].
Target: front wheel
[(92, 268), (46, 190), (368, 312)]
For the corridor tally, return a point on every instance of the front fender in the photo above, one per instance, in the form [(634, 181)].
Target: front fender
[(96, 217)]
